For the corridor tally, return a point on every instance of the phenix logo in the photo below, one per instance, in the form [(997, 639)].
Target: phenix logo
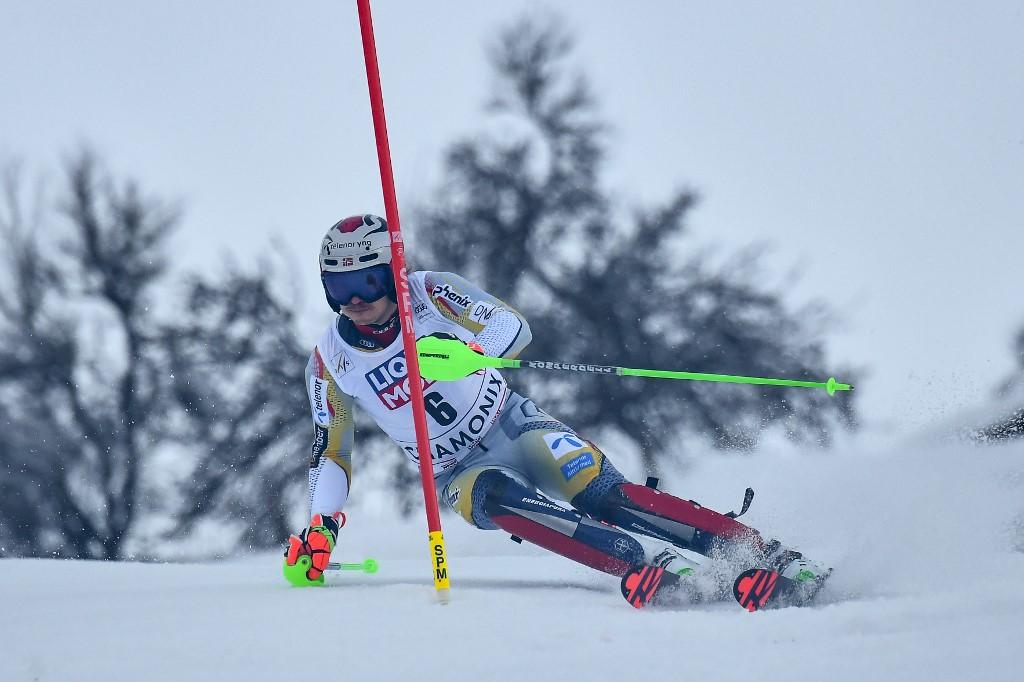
[(444, 291), (390, 381)]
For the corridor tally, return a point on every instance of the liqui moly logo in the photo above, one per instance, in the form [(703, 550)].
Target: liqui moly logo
[(390, 381)]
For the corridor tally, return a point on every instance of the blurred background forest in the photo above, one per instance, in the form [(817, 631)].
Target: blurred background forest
[(140, 402)]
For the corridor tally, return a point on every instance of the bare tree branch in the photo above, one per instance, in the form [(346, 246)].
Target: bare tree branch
[(598, 285)]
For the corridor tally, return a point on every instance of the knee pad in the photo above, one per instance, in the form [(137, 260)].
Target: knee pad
[(470, 495), (503, 502)]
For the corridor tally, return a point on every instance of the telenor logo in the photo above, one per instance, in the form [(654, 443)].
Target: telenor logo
[(577, 464), (562, 443), (318, 401)]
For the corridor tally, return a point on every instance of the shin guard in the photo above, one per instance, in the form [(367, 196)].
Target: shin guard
[(684, 523), (525, 513)]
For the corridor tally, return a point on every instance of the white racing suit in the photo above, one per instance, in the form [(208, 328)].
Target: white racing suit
[(499, 460)]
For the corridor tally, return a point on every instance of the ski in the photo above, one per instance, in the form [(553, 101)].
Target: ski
[(761, 588), (754, 589)]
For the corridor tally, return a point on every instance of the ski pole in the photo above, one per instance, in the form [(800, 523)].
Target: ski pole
[(449, 360), (366, 566)]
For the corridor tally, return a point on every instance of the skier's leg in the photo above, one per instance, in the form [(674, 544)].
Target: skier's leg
[(564, 466), (568, 467), (686, 524), (491, 497), (531, 450)]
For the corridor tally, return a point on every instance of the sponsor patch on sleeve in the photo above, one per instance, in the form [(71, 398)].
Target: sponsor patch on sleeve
[(320, 437), (482, 312), (318, 401), (577, 464), (454, 300)]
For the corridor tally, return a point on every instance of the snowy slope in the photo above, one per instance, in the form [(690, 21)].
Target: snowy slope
[(926, 543)]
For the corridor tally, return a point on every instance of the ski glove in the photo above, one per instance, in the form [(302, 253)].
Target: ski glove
[(308, 553), (451, 337)]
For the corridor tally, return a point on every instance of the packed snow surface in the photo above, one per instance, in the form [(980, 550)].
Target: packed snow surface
[(926, 542)]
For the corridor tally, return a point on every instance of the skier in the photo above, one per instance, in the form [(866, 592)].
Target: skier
[(499, 460)]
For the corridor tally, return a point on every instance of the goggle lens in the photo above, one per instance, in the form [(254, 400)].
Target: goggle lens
[(370, 284)]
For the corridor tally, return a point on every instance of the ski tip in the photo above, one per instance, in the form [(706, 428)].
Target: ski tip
[(753, 588)]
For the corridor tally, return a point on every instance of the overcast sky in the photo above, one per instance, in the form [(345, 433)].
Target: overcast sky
[(879, 146)]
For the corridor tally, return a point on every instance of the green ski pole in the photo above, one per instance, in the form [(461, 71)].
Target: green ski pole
[(449, 360), (367, 566)]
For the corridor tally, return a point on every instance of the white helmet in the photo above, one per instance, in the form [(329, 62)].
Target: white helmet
[(355, 243), (355, 258)]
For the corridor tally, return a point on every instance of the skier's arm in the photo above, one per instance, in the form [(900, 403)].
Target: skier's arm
[(308, 553), (499, 328), (330, 468)]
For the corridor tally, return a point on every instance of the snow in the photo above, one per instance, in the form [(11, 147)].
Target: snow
[(926, 540)]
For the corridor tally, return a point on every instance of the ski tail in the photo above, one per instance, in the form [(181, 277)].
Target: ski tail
[(754, 588), (641, 584)]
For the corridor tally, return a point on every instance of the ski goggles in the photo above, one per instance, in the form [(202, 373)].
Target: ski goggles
[(369, 284)]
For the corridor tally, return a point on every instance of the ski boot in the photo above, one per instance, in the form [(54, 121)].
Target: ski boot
[(793, 565), (672, 561)]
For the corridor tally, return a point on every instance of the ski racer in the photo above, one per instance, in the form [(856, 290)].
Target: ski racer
[(499, 460)]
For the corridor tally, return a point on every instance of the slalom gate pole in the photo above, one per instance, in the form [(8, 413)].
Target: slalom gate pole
[(438, 555), (448, 360)]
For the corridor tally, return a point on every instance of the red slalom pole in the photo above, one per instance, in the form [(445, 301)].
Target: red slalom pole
[(438, 556)]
